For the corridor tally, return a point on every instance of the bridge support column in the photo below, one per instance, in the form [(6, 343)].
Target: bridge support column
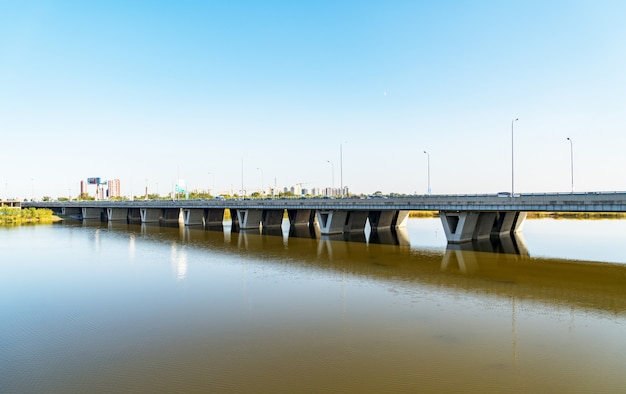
[(117, 214), (300, 216), (92, 213), (331, 222), (249, 218), (459, 226), (214, 217), (400, 219), (484, 225), (134, 215), (508, 223), (74, 213), (272, 218), (193, 216), (356, 221), (171, 215), (150, 215), (380, 220)]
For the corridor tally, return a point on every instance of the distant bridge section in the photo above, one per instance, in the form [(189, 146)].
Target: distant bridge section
[(464, 217)]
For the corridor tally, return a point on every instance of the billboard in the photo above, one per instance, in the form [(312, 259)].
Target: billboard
[(93, 181)]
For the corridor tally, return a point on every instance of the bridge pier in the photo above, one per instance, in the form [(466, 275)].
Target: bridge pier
[(249, 218), (380, 220), (301, 216), (272, 218), (171, 215), (355, 221), (508, 223), (72, 212), (193, 216), (117, 214), (331, 221), (150, 215), (400, 219), (214, 217), (134, 215), (472, 225), (91, 213)]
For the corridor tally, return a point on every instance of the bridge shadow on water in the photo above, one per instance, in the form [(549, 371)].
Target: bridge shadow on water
[(492, 267)]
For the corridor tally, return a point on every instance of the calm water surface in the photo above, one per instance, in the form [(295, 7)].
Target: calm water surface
[(129, 308)]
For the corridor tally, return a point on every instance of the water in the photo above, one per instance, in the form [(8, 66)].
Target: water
[(128, 308)]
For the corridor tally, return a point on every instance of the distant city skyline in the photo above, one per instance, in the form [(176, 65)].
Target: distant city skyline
[(245, 94)]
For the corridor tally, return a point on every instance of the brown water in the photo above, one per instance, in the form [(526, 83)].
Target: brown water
[(126, 308)]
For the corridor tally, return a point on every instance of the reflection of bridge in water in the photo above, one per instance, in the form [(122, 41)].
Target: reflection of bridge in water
[(464, 217), (501, 269)]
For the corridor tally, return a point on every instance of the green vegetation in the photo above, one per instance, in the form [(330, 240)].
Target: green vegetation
[(9, 216)]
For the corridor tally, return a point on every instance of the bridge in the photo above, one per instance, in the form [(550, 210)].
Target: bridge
[(464, 217)]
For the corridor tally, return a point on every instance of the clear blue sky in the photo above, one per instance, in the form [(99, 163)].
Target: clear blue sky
[(160, 90)]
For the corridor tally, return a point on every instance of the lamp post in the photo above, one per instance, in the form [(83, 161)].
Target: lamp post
[(571, 153), (212, 183), (428, 158), (341, 167), (512, 159), (260, 169), (332, 172)]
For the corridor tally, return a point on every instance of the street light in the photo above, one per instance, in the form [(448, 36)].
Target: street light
[(571, 152), (332, 169), (260, 169), (428, 156), (213, 183), (512, 159), (341, 168)]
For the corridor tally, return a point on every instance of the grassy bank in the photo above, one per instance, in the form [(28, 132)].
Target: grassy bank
[(9, 216)]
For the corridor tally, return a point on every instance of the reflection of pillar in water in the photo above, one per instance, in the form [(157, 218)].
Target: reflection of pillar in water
[(463, 255)]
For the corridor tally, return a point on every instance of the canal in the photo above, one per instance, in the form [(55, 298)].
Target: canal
[(97, 307)]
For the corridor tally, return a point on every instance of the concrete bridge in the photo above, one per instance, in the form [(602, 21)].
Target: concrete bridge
[(464, 217)]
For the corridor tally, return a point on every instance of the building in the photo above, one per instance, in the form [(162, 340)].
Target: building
[(114, 188)]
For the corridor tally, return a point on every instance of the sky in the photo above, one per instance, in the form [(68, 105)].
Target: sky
[(225, 94)]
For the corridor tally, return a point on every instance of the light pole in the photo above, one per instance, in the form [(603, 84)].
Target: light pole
[(32, 189), (428, 158), (332, 172), (341, 166), (571, 153), (242, 189), (260, 169), (512, 159), (212, 183)]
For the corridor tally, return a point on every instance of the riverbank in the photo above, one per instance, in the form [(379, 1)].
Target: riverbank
[(13, 216)]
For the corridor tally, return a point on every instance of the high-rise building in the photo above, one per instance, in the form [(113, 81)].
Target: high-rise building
[(83, 187), (114, 188)]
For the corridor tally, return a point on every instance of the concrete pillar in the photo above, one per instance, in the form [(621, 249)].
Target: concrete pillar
[(171, 215), (214, 216), (72, 212), (150, 215), (484, 225), (463, 256), (400, 219), (134, 215), (459, 226), (508, 223), (356, 221), (193, 216), (519, 222), (249, 218), (117, 214), (300, 216), (331, 222), (272, 217), (380, 220), (92, 213)]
